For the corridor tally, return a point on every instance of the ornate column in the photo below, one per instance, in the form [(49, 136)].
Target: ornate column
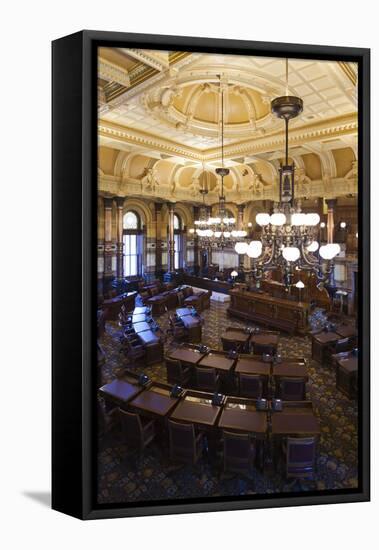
[(241, 209), (196, 243), (120, 241), (331, 203), (171, 242), (158, 238), (209, 248), (108, 245)]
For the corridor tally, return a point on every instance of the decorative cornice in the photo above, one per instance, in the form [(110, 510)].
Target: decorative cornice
[(328, 188), (148, 141), (331, 128)]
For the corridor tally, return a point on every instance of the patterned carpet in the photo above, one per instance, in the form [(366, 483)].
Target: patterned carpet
[(124, 477)]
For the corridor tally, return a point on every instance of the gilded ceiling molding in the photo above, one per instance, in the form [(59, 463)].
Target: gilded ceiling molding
[(113, 73), (134, 137), (339, 126), (156, 59), (350, 70), (111, 186)]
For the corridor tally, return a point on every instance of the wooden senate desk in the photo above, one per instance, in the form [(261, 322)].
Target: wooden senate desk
[(155, 401), (207, 284), (120, 391), (248, 365), (191, 322), (347, 375), (112, 306), (240, 416), (290, 369), (217, 360), (236, 338), (275, 312), (187, 356), (321, 343), (297, 423), (197, 410)]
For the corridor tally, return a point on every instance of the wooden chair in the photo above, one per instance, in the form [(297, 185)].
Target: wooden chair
[(229, 345), (136, 431), (250, 385), (263, 349), (177, 329), (291, 389), (132, 350), (185, 445), (176, 373), (239, 453), (207, 379), (300, 457)]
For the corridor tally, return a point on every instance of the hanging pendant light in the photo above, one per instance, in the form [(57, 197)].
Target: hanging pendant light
[(289, 236)]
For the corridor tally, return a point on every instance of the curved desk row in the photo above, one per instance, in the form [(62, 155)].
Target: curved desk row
[(193, 407)]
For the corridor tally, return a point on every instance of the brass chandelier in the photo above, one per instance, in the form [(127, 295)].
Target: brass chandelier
[(288, 237), (219, 231)]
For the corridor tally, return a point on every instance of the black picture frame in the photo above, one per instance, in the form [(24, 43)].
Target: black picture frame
[(74, 152)]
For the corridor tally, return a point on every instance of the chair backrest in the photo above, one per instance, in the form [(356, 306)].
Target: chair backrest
[(250, 385), (174, 370), (228, 345), (182, 440), (344, 344), (237, 451), (131, 426), (292, 389), (206, 379), (301, 454), (261, 349)]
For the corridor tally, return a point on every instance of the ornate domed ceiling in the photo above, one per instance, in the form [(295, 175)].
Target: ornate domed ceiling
[(196, 107), (160, 125)]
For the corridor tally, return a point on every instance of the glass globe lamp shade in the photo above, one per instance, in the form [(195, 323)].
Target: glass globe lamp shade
[(312, 219), (241, 248), (217, 234), (227, 234), (298, 218), (278, 218), (322, 225), (254, 250), (262, 219), (313, 246), (235, 233), (300, 284), (329, 251), (234, 273), (208, 233), (192, 231), (291, 253)]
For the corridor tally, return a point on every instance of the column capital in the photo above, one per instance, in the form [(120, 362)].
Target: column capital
[(158, 206), (108, 202), (331, 203), (170, 206), (120, 201), (241, 207)]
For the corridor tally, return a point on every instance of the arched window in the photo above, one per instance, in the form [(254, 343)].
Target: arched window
[(132, 244), (178, 242)]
